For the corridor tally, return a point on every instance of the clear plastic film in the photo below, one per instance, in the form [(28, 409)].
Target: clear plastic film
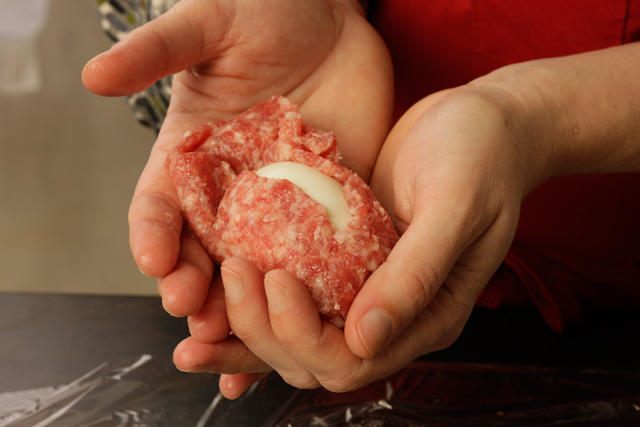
[(140, 391), (462, 394), (148, 391)]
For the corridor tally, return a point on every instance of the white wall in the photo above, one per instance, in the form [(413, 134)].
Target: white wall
[(69, 161)]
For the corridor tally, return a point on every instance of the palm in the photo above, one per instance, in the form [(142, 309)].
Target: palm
[(228, 55), (323, 56)]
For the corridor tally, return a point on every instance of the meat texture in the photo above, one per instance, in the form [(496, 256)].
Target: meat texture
[(272, 222)]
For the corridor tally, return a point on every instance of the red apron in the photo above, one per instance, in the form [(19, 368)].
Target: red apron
[(578, 239)]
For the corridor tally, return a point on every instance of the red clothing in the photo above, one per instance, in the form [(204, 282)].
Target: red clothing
[(578, 240)]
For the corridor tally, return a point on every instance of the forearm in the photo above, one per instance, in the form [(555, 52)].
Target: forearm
[(582, 111)]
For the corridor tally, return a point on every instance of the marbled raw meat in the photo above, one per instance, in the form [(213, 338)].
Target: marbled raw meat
[(272, 222)]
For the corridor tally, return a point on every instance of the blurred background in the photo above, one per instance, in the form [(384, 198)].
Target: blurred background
[(69, 160)]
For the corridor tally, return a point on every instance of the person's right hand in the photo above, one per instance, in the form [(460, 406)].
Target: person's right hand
[(228, 55)]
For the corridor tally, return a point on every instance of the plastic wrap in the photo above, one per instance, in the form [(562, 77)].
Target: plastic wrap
[(461, 394), (147, 391)]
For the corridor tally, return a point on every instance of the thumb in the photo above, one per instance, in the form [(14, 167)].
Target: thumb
[(407, 281), (191, 32)]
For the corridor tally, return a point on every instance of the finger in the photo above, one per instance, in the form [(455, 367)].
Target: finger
[(412, 274), (230, 356), (185, 289), (210, 323), (405, 285), (191, 32), (454, 301), (249, 320), (233, 386), (438, 325), (155, 218), (433, 329), (317, 345)]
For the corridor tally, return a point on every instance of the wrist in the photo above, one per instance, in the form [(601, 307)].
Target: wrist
[(530, 122), (580, 111)]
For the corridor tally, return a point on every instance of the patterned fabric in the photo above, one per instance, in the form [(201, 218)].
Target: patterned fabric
[(117, 18)]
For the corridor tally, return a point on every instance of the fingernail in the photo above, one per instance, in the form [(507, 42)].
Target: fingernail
[(140, 270), (276, 296), (375, 328), (226, 381), (145, 259), (195, 369), (233, 285)]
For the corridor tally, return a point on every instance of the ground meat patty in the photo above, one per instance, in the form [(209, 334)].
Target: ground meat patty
[(272, 222)]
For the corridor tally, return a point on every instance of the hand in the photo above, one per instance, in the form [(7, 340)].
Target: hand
[(228, 55), (277, 326), (455, 169)]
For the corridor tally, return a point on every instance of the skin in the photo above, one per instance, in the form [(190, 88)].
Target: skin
[(453, 171), (225, 59), (462, 161)]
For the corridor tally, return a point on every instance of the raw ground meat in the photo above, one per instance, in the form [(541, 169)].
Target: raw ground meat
[(272, 222)]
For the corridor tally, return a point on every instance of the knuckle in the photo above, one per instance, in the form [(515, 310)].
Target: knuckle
[(342, 384), (289, 341), (302, 380), (439, 333), (304, 345), (162, 42), (155, 207), (446, 340), (344, 380), (245, 331), (419, 288)]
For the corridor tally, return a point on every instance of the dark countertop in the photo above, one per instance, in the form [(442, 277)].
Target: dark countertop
[(49, 340)]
